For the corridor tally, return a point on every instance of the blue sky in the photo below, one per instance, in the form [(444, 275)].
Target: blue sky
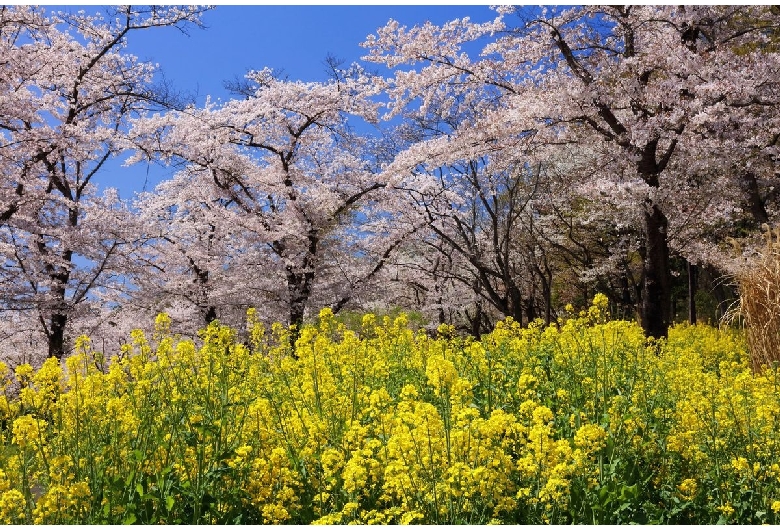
[(292, 38)]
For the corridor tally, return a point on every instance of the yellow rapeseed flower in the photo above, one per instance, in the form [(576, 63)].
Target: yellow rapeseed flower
[(23, 372), (27, 432), (12, 507), (688, 489), (590, 438), (441, 374)]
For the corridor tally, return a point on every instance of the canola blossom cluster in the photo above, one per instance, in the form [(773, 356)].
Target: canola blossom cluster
[(584, 422)]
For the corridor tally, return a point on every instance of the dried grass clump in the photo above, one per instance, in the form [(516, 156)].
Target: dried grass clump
[(759, 302)]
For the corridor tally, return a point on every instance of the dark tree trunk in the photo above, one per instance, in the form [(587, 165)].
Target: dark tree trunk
[(300, 280), (656, 275), (210, 315), (515, 305), (297, 310), (547, 305), (202, 280), (299, 289), (56, 334), (476, 322), (656, 285), (530, 309), (628, 308), (56, 323), (692, 286), (755, 204)]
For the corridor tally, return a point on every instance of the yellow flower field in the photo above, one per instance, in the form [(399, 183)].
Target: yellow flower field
[(585, 423)]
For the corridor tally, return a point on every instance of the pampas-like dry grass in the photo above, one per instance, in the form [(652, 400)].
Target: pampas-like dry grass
[(759, 304)]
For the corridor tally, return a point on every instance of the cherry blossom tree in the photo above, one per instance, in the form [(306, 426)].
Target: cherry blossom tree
[(486, 214), (425, 276), (292, 178), (67, 91), (188, 248), (674, 107)]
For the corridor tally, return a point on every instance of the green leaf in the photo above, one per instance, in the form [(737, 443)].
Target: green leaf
[(604, 494), (169, 501), (628, 492), (130, 519), (140, 489)]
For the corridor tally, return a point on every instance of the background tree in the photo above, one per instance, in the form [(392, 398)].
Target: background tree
[(485, 214), (68, 90), (184, 268), (290, 173), (664, 99)]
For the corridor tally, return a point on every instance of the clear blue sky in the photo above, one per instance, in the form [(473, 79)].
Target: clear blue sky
[(292, 38)]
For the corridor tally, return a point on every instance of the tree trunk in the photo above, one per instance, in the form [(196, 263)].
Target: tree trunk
[(210, 314), (58, 318), (692, 286), (56, 334), (299, 292), (755, 204), (476, 322), (530, 309), (547, 305), (627, 306), (299, 289), (515, 304), (300, 280), (656, 284), (208, 311)]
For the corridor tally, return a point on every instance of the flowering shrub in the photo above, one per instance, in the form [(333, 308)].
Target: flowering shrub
[(584, 423)]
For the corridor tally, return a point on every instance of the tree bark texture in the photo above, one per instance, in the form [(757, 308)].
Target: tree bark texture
[(656, 285)]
